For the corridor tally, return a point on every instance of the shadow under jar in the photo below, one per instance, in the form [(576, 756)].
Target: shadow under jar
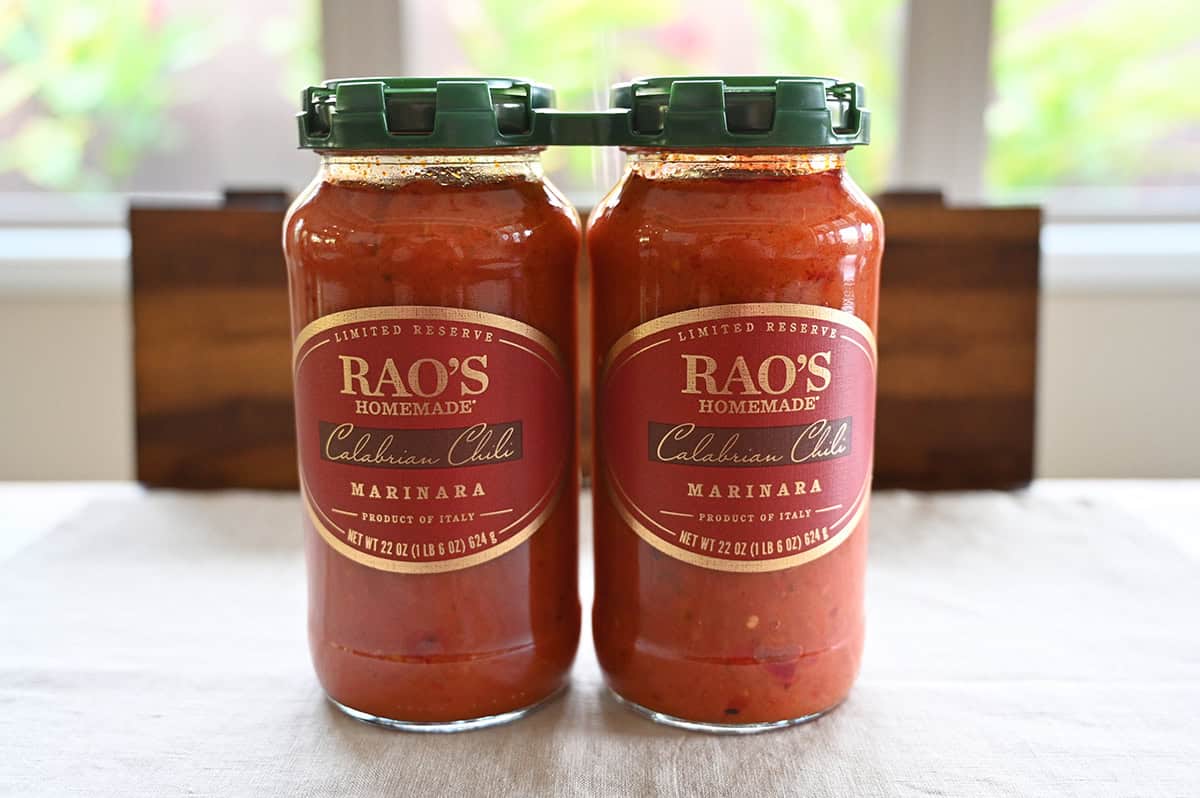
[(736, 277), (432, 277)]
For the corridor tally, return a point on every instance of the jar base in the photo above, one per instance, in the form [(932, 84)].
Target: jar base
[(715, 728), (449, 726)]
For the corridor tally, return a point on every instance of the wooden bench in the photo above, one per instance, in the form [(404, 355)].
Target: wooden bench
[(958, 346)]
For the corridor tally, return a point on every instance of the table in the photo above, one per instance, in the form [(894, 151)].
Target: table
[(1038, 642)]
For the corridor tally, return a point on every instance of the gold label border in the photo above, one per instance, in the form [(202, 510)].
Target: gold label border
[(422, 313), (623, 503), (432, 313)]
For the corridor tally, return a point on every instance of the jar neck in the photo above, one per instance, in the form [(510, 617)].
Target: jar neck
[(441, 166), (683, 164)]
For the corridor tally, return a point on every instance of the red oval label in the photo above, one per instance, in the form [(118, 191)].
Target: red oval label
[(739, 437), (430, 439)]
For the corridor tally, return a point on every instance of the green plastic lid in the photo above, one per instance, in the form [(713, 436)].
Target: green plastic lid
[(425, 113), (735, 111), (488, 113)]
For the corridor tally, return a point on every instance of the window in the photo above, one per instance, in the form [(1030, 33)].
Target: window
[(152, 95), (1094, 104)]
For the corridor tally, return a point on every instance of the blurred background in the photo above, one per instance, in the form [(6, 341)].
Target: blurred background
[(1085, 108)]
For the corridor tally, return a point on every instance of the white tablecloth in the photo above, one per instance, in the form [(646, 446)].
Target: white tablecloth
[(1042, 642)]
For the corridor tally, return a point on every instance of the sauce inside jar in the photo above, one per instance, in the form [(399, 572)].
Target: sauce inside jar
[(431, 299), (735, 294)]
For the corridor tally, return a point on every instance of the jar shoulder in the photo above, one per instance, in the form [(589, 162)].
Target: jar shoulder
[(696, 208), (329, 221)]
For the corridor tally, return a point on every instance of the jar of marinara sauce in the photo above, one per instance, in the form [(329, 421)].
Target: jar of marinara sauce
[(736, 276), (432, 277)]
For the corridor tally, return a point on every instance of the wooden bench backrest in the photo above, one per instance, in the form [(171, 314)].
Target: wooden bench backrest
[(958, 344)]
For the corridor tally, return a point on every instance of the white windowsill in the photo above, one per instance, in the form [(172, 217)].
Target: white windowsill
[(1140, 257), (64, 262), (73, 245)]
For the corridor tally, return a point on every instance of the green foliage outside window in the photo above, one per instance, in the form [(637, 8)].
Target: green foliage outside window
[(87, 87), (84, 90), (1094, 94)]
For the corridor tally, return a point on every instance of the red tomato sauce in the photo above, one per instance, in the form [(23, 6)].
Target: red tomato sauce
[(494, 637), (699, 644)]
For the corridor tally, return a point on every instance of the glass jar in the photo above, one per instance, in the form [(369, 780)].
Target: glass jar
[(736, 280), (432, 278)]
